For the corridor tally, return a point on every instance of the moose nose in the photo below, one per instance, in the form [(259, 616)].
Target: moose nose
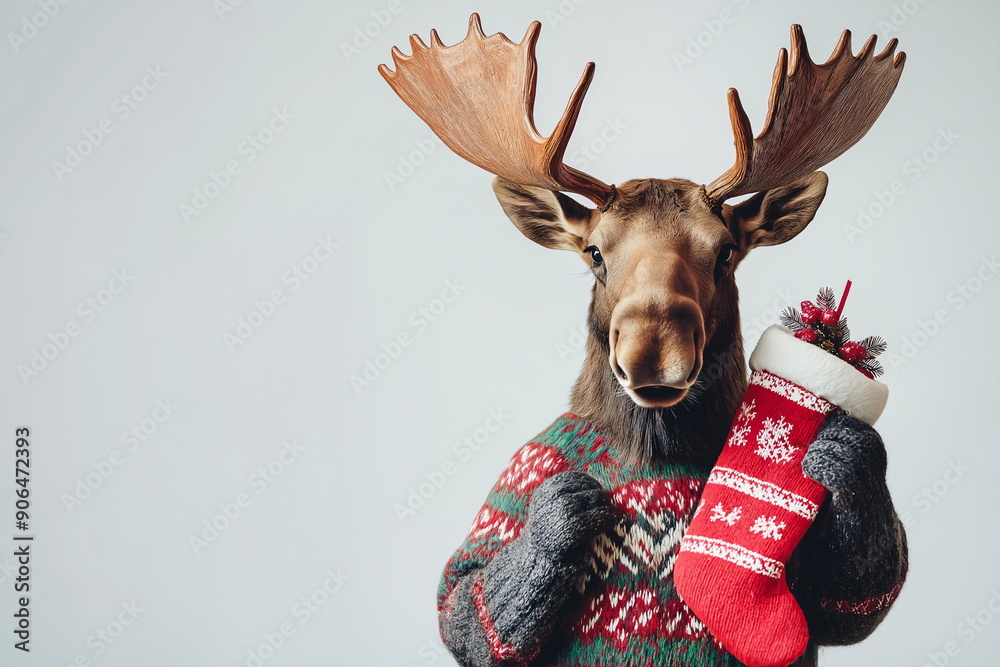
[(655, 355), (641, 363)]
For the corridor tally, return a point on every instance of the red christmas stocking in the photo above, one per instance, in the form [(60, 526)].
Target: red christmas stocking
[(757, 503)]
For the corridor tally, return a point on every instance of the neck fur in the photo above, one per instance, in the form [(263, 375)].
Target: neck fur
[(692, 431)]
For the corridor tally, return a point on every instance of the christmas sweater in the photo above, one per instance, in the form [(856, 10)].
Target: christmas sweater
[(623, 609)]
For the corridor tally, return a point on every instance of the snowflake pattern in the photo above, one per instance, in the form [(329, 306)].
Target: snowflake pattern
[(768, 527), (719, 514), (773, 439), (741, 427)]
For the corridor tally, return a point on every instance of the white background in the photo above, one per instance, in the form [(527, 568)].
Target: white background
[(507, 342)]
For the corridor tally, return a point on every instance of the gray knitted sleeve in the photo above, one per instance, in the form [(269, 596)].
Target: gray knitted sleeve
[(504, 612), (854, 557)]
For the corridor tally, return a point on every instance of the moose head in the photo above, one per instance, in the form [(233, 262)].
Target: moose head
[(662, 251)]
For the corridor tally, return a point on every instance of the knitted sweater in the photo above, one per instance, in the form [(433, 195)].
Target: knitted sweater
[(616, 604)]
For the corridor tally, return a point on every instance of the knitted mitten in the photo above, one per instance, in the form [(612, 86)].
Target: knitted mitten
[(758, 504), (507, 610), (848, 459), (856, 551)]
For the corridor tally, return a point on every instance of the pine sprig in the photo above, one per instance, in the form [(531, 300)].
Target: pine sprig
[(873, 366), (791, 318), (822, 324), (826, 299), (875, 345)]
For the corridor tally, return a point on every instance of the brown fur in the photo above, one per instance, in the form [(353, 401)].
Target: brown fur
[(694, 429), (665, 368)]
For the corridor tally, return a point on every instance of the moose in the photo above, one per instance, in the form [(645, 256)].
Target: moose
[(569, 562)]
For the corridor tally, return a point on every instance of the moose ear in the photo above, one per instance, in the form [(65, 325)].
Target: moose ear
[(548, 218), (778, 215)]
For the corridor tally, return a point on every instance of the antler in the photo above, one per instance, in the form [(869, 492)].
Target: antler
[(814, 114), (478, 96)]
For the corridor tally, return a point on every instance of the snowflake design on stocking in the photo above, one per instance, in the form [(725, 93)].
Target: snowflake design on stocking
[(719, 514), (741, 427), (773, 439), (768, 527)]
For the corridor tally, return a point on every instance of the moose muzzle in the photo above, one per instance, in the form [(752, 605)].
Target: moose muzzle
[(657, 334)]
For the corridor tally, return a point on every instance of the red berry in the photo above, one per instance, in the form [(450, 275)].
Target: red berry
[(829, 316), (807, 335), (810, 313), (853, 351)]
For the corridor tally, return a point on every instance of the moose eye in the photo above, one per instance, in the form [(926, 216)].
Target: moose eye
[(595, 255), (726, 255)]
